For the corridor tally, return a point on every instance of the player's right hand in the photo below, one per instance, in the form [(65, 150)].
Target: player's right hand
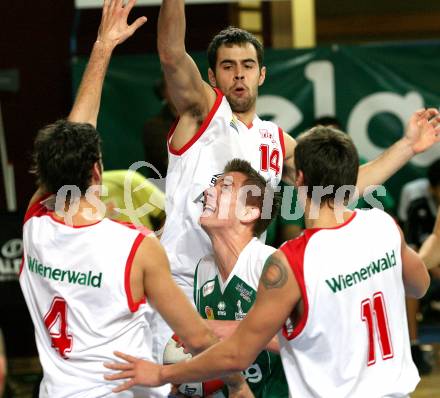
[(138, 371)]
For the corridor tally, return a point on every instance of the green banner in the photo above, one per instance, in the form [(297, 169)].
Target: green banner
[(371, 89)]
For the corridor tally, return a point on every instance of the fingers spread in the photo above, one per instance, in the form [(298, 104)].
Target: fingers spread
[(118, 366), (126, 357), (124, 386), (130, 4), (137, 24), (120, 375)]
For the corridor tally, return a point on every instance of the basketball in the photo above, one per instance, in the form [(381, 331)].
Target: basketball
[(174, 353)]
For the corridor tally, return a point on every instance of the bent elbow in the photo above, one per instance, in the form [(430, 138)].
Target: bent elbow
[(420, 290)]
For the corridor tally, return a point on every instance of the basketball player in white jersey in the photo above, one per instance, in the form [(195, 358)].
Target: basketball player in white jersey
[(335, 295), (217, 122), (91, 283)]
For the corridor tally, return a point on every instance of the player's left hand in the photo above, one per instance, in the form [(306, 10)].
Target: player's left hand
[(423, 129), (137, 371)]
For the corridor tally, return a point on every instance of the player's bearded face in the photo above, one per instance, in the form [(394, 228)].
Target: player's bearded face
[(238, 76)]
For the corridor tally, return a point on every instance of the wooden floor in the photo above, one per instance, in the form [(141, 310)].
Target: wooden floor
[(429, 386)]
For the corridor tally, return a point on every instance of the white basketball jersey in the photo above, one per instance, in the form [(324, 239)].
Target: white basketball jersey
[(195, 167), (76, 283), (352, 338)]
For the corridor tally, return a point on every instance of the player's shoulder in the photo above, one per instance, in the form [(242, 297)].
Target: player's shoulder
[(259, 249), (374, 215), (126, 226), (296, 243), (39, 205), (254, 257)]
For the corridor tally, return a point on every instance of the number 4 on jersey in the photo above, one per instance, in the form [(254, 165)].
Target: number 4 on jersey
[(56, 324), (375, 314)]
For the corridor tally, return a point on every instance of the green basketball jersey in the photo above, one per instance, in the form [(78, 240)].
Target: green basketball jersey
[(231, 300)]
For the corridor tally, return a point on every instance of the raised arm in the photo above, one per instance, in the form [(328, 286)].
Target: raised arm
[(278, 289), (421, 133), (192, 97), (113, 30)]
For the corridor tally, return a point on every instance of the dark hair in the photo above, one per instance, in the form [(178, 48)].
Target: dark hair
[(434, 173), (327, 157), (233, 36), (64, 154), (253, 178), (327, 120)]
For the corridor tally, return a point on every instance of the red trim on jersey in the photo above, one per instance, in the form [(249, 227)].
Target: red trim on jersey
[(201, 130), (37, 209), (143, 230), (294, 251), (283, 148), (131, 304)]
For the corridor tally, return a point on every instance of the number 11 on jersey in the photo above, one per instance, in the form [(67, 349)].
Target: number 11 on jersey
[(374, 314), (56, 324)]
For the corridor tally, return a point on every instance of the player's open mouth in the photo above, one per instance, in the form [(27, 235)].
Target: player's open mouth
[(210, 202), (239, 90)]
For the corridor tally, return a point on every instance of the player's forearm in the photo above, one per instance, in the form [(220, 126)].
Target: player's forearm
[(171, 32), (225, 329), (384, 166), (88, 99)]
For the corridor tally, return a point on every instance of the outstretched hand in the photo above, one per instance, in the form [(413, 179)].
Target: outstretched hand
[(114, 28), (423, 129), (137, 371)]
